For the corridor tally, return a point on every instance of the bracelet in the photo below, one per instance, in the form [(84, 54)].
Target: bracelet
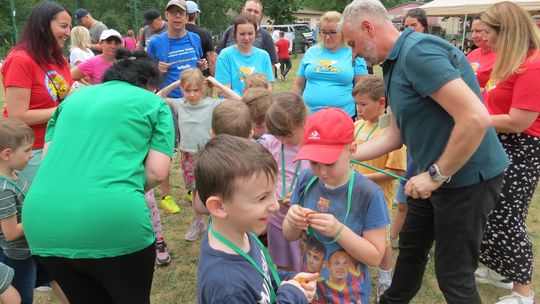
[(340, 232)]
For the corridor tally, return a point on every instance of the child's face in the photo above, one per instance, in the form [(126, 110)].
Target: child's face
[(336, 174), (193, 93), (294, 139), (367, 108), (259, 129), (339, 266), (315, 259), (252, 204), (20, 157)]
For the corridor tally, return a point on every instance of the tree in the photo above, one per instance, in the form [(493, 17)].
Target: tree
[(281, 11)]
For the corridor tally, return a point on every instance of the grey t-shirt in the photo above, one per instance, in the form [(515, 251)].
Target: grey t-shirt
[(147, 34), (95, 31), (11, 201), (194, 122)]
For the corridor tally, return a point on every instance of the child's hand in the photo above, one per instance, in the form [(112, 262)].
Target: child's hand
[(325, 223), (297, 217), (287, 200), (306, 282), (211, 81)]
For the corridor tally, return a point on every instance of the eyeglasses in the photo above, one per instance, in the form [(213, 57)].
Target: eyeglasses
[(177, 12), (328, 34)]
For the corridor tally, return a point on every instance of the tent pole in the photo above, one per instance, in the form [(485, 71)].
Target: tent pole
[(464, 33)]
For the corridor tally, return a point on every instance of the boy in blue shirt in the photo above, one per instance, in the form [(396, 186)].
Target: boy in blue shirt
[(341, 208), (236, 181)]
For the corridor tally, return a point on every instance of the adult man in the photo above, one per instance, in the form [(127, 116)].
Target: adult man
[(263, 40), (438, 114), (94, 27), (176, 49), (206, 38), (153, 25)]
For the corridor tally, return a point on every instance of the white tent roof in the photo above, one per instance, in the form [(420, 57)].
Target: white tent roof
[(470, 7)]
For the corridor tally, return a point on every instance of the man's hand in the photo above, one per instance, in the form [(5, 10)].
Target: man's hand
[(163, 67), (421, 186)]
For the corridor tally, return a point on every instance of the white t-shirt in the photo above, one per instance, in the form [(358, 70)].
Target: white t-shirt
[(77, 56)]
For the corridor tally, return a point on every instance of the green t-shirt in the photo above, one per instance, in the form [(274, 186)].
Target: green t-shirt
[(87, 199), (416, 67)]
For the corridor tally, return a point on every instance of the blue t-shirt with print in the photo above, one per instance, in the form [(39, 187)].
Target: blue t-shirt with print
[(232, 67), (229, 278), (341, 276), (182, 53), (330, 78)]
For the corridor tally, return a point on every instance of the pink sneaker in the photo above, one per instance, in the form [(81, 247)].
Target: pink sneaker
[(162, 254)]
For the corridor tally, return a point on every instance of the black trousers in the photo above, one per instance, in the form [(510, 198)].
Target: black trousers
[(455, 219), (122, 279), (285, 66)]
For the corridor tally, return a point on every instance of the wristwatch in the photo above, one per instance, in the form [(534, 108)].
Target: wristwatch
[(436, 174)]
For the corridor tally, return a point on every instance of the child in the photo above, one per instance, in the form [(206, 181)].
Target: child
[(285, 121), (370, 105), (258, 100), (8, 294), (343, 209), (284, 58), (16, 140), (232, 117), (256, 80), (236, 179), (194, 123)]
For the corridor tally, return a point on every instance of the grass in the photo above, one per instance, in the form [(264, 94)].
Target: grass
[(177, 282)]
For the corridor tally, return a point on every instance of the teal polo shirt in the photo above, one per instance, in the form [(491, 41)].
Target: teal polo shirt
[(416, 67)]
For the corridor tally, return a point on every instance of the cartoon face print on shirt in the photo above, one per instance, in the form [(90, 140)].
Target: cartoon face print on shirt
[(244, 71), (56, 85), (327, 65)]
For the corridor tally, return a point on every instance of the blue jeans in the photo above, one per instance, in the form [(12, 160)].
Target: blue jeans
[(28, 275)]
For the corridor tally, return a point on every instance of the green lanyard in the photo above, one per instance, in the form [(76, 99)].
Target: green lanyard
[(283, 177), (14, 184), (378, 170), (370, 132), (310, 230), (271, 266)]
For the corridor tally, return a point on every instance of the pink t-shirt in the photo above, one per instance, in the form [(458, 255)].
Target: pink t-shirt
[(273, 145), (94, 67)]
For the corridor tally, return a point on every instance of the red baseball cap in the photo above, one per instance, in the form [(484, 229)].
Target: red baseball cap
[(326, 133)]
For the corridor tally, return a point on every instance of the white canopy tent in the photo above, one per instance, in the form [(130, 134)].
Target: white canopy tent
[(470, 7)]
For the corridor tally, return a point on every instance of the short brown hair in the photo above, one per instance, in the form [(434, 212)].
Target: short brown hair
[(286, 112), (224, 160), (256, 80), (232, 117), (258, 100), (371, 85), (14, 133)]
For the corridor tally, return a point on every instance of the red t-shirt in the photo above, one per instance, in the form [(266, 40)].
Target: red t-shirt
[(482, 64), (519, 91), (282, 45), (20, 70)]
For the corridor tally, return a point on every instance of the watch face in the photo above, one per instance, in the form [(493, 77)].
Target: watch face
[(432, 171)]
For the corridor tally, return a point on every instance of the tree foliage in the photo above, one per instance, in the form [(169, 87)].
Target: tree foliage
[(281, 11)]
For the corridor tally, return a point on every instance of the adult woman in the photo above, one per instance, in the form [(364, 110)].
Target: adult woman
[(513, 99), (110, 41), (80, 46), (416, 18), (237, 61), (482, 58), (326, 74), (85, 216), (36, 74)]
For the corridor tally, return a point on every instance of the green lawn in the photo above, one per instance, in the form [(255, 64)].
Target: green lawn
[(176, 283)]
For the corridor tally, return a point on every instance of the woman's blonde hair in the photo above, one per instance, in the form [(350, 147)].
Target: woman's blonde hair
[(517, 35), (329, 17), (192, 77), (80, 38)]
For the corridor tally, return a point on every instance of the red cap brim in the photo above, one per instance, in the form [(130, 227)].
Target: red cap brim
[(324, 154)]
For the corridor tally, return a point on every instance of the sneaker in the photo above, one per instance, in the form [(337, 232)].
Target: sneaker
[(196, 229), (44, 288), (485, 275), (169, 205), (516, 298), (381, 288), (162, 254)]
